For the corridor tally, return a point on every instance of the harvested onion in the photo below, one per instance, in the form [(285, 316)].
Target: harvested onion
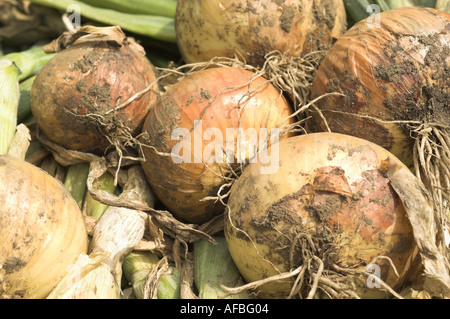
[(326, 214), (389, 75), (209, 28), (42, 230), (201, 130), (85, 97), (395, 83)]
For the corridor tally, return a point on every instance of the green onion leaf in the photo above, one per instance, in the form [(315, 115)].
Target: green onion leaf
[(9, 103)]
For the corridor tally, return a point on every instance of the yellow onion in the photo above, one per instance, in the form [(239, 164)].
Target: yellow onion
[(393, 76), (84, 98), (42, 230), (197, 134), (328, 209), (209, 28)]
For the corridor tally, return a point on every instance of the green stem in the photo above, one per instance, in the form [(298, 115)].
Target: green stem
[(158, 27), (49, 164), (165, 8), (136, 267), (158, 60), (427, 3), (9, 102), (93, 207), (394, 4), (75, 181), (30, 61), (214, 267), (29, 119), (443, 5), (24, 102), (36, 152), (384, 5), (357, 9)]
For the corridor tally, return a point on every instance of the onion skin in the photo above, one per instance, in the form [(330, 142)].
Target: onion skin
[(324, 180), (395, 72), (90, 77), (209, 28), (181, 187), (43, 230)]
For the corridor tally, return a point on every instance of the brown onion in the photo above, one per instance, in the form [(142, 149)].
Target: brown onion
[(209, 101), (392, 76), (209, 28), (42, 230), (80, 97), (395, 82), (328, 208)]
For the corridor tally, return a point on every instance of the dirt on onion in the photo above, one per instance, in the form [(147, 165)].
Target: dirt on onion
[(200, 134), (96, 92), (394, 83), (286, 39), (42, 230), (208, 29), (325, 222)]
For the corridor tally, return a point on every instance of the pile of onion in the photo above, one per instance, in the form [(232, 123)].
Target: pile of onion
[(42, 230), (395, 83), (325, 222), (212, 28), (95, 92), (196, 137)]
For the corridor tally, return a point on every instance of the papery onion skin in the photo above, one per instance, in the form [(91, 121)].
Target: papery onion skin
[(42, 230), (181, 187), (398, 71), (329, 186), (209, 28), (86, 78)]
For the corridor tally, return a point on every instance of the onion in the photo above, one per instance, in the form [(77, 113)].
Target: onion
[(85, 97), (42, 230), (321, 222), (395, 72), (395, 83), (212, 28), (199, 134)]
